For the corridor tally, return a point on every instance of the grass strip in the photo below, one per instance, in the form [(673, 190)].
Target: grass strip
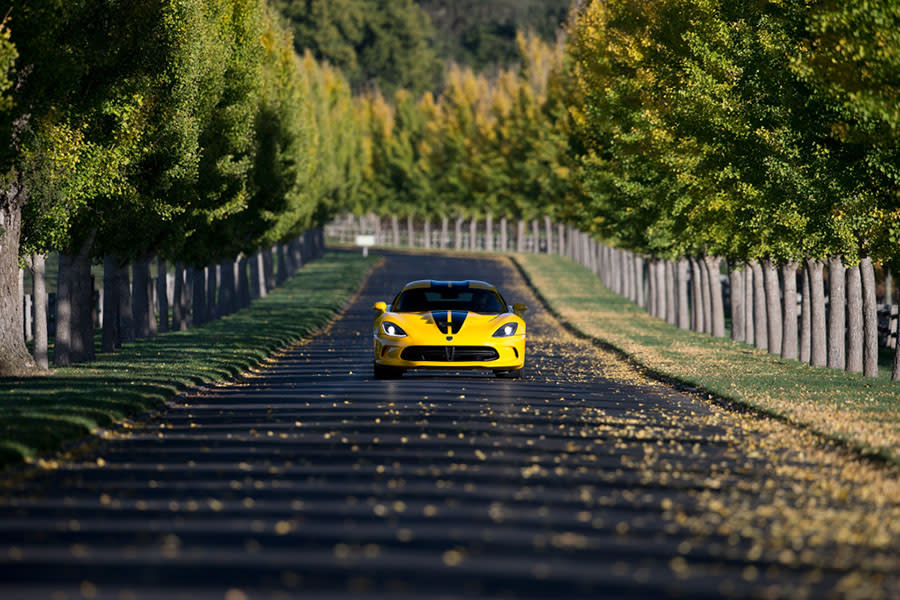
[(861, 412), (40, 414)]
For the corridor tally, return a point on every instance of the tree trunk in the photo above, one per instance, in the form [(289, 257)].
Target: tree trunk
[(760, 316), (654, 305), (14, 356), (837, 318), (162, 297), (638, 275), (590, 257), (888, 286), (561, 242), (895, 371), (713, 268), (473, 234), (682, 280), (548, 231), (268, 261), (489, 232), (256, 283), (426, 234), (212, 291), (81, 294), (282, 274), (520, 236), (154, 327), (854, 362), (736, 282), (580, 258), (179, 321), (504, 234), (627, 272), (63, 336), (243, 284), (39, 295), (696, 296), (199, 303), (261, 270), (226, 288), (789, 321), (805, 316), (536, 234), (126, 315), (445, 233), (870, 318), (774, 311), (706, 295), (376, 223), (24, 304), (395, 230), (671, 293), (457, 231), (818, 351), (749, 319), (618, 271), (110, 339), (140, 301), (410, 232), (662, 297), (187, 297)]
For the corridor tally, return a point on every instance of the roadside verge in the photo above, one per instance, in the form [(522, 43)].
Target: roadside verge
[(41, 414), (863, 413)]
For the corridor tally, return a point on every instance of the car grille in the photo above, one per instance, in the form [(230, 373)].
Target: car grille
[(450, 353)]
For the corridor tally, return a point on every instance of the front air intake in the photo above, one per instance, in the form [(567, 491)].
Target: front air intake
[(450, 353)]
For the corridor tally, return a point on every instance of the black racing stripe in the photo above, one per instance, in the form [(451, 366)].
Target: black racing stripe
[(449, 284), (449, 321)]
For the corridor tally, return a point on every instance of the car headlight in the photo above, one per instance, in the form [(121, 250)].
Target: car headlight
[(392, 330), (506, 330)]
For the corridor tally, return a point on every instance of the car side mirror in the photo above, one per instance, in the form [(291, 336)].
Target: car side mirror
[(380, 308), (519, 308)]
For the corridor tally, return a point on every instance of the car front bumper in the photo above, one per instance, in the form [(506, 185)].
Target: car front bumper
[(510, 351)]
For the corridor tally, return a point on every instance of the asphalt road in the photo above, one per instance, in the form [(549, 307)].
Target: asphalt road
[(582, 480)]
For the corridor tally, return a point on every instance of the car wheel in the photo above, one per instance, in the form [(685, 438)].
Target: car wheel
[(516, 374), (383, 372)]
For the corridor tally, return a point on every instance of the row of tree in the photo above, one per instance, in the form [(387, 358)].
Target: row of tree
[(764, 133), (134, 305), (690, 134), (185, 129)]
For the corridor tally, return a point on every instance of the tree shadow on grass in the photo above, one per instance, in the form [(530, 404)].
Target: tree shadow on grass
[(38, 414)]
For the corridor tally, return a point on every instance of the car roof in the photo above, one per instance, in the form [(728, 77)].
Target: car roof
[(468, 283)]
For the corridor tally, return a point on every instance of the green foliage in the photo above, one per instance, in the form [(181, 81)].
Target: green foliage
[(482, 34), (850, 54), (700, 136), (8, 56), (387, 45), (482, 146), (188, 128)]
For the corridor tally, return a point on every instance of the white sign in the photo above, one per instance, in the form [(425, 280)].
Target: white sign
[(365, 241)]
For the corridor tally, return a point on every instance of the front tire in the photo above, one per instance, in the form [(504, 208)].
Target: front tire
[(384, 372)]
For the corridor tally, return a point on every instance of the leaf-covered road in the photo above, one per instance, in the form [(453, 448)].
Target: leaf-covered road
[(581, 480)]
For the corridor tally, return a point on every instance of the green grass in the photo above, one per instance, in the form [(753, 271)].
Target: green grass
[(39, 414), (862, 412)]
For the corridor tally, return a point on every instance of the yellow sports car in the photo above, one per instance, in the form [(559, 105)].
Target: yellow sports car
[(449, 325)]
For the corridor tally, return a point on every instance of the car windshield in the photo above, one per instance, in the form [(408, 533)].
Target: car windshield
[(425, 299)]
